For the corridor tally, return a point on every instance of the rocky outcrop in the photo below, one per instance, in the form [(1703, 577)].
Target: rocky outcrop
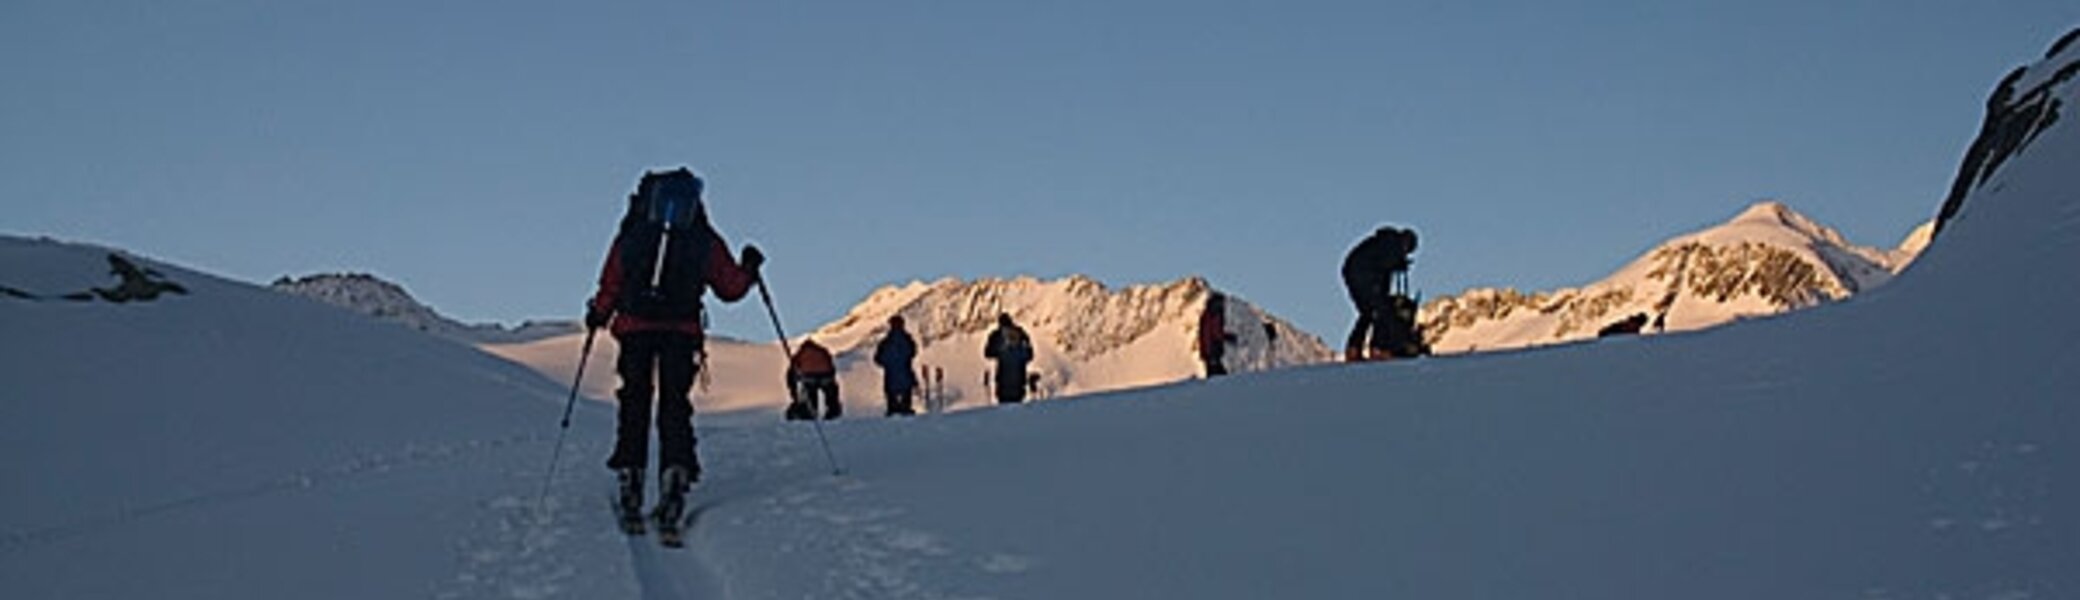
[(2019, 109)]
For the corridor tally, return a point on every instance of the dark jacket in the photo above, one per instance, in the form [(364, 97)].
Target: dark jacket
[(1011, 358), (1374, 260), (894, 354)]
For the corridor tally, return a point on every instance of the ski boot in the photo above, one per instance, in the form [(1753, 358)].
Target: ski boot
[(670, 515), (628, 507)]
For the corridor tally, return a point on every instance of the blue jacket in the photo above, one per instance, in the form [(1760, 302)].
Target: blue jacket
[(894, 354)]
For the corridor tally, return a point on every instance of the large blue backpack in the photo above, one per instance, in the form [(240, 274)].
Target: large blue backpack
[(664, 243)]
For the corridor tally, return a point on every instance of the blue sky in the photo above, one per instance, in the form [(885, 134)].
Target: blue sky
[(479, 152)]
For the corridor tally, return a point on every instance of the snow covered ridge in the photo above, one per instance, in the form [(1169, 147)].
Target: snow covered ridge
[(1768, 259), (1086, 318), (1087, 337), (372, 296)]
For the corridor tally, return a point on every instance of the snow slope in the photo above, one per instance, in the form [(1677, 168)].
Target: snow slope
[(1088, 338), (1767, 260), (1914, 441), (241, 443), (754, 381)]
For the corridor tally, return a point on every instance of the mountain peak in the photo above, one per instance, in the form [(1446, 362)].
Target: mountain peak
[(1769, 210), (1767, 259), (1093, 336), (387, 301), (1775, 213)]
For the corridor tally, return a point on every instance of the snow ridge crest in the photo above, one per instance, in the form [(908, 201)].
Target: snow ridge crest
[(1767, 259)]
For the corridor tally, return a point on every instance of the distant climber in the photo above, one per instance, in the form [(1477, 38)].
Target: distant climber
[(1012, 349), (1375, 273), (813, 375), (895, 355), (1213, 335), (665, 256)]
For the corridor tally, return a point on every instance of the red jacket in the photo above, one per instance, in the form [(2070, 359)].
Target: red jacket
[(724, 276), (812, 360)]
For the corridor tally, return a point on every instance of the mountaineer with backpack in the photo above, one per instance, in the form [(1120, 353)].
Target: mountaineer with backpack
[(1375, 272), (665, 256), (1012, 349), (894, 355)]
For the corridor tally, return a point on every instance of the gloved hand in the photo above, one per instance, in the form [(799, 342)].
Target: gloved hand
[(596, 318), (752, 260)]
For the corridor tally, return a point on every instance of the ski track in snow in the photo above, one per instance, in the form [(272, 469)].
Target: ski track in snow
[(571, 547), (842, 540), (677, 574), (655, 577)]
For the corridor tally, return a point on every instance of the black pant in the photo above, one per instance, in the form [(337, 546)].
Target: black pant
[(1215, 367), (809, 387), (1369, 296), (899, 398), (668, 356), (1011, 390)]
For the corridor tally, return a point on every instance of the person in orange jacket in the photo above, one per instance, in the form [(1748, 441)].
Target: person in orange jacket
[(811, 374)]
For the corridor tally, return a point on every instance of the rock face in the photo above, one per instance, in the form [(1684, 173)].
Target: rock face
[(2022, 106), (375, 297), (1768, 259)]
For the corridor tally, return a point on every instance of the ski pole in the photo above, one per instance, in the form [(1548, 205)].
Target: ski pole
[(541, 502), (767, 297)]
